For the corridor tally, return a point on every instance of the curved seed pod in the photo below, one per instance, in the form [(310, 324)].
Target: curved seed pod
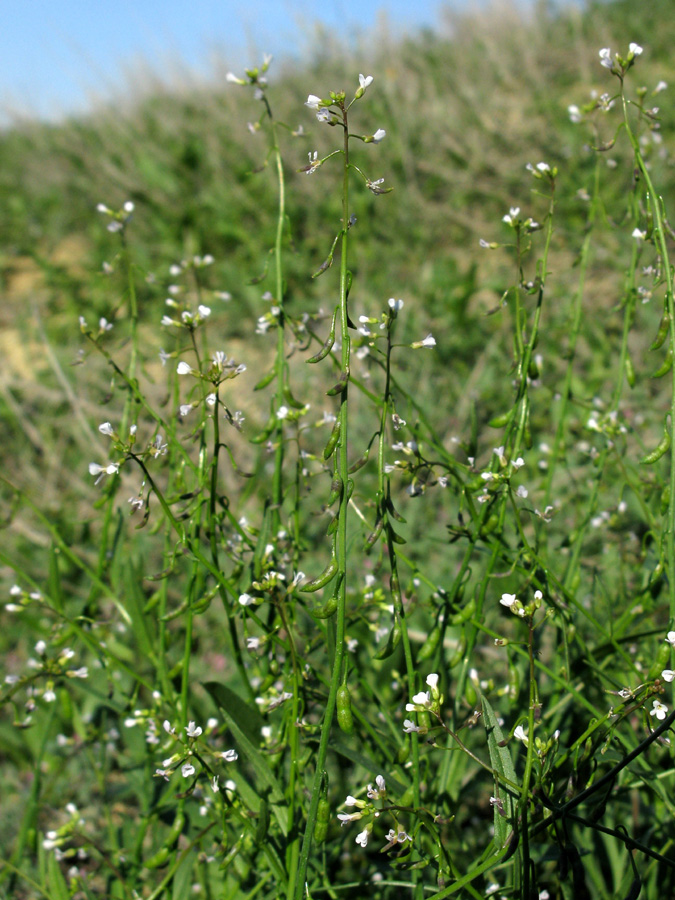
[(265, 380), (340, 386), (323, 579), (393, 641), (402, 755), (332, 526), (159, 859), (662, 333), (658, 451), (175, 612), (428, 648), (162, 856), (335, 490), (500, 421), (344, 709), (666, 365), (290, 399), (266, 432), (630, 371), (328, 344), (374, 535), (465, 614), (332, 440), (458, 655), (392, 511), (329, 608), (360, 462), (350, 489), (396, 538)]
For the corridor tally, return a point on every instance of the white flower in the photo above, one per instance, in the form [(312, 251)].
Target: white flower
[(313, 101), (512, 215), (508, 600), (229, 755), (345, 818), (246, 599), (574, 114), (668, 675), (380, 789), (187, 769), (192, 730), (661, 86), (168, 727), (379, 135), (635, 49), (40, 648), (660, 710), (521, 492), (95, 469), (106, 428), (232, 79), (432, 682), (362, 838), (396, 305), (215, 787), (252, 643), (282, 412), (670, 637), (519, 734), (409, 726), (368, 80), (639, 235), (606, 58), (183, 368)]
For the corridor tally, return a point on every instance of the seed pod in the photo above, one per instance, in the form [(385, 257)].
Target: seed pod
[(332, 440), (322, 819), (360, 462), (402, 755), (161, 858), (344, 709), (267, 430), (328, 345), (332, 525), (323, 579), (329, 608), (392, 511), (340, 386), (335, 490), (464, 614), (374, 535), (265, 380), (658, 451), (428, 648), (393, 641), (662, 333), (501, 420), (290, 399), (666, 365), (458, 655), (630, 371)]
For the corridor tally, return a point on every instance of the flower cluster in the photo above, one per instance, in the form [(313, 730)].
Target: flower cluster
[(512, 603), (372, 809)]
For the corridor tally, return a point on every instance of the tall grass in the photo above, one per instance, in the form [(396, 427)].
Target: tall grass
[(340, 522)]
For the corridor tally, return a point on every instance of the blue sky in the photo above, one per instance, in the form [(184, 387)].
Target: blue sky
[(56, 56)]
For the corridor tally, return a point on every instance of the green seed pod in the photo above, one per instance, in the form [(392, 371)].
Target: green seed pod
[(666, 365), (323, 579), (393, 641), (335, 490), (470, 692), (490, 525), (662, 448), (630, 371), (159, 859), (360, 462), (662, 660), (423, 719), (290, 399), (340, 386), (344, 710), (332, 440), (265, 380), (402, 755), (329, 608), (267, 430), (371, 540), (428, 648), (328, 345), (464, 614), (322, 819), (501, 421), (392, 512), (332, 525), (458, 655), (662, 333)]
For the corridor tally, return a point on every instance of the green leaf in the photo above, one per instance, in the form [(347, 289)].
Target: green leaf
[(501, 762)]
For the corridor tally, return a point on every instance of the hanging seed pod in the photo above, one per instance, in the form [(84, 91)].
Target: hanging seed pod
[(374, 535), (630, 371), (392, 511), (323, 579), (329, 449), (322, 819), (666, 365), (335, 490), (340, 386), (267, 430), (265, 380), (290, 399), (393, 640), (329, 608), (662, 333), (465, 614), (662, 448), (501, 421), (344, 709), (428, 648), (328, 344)]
